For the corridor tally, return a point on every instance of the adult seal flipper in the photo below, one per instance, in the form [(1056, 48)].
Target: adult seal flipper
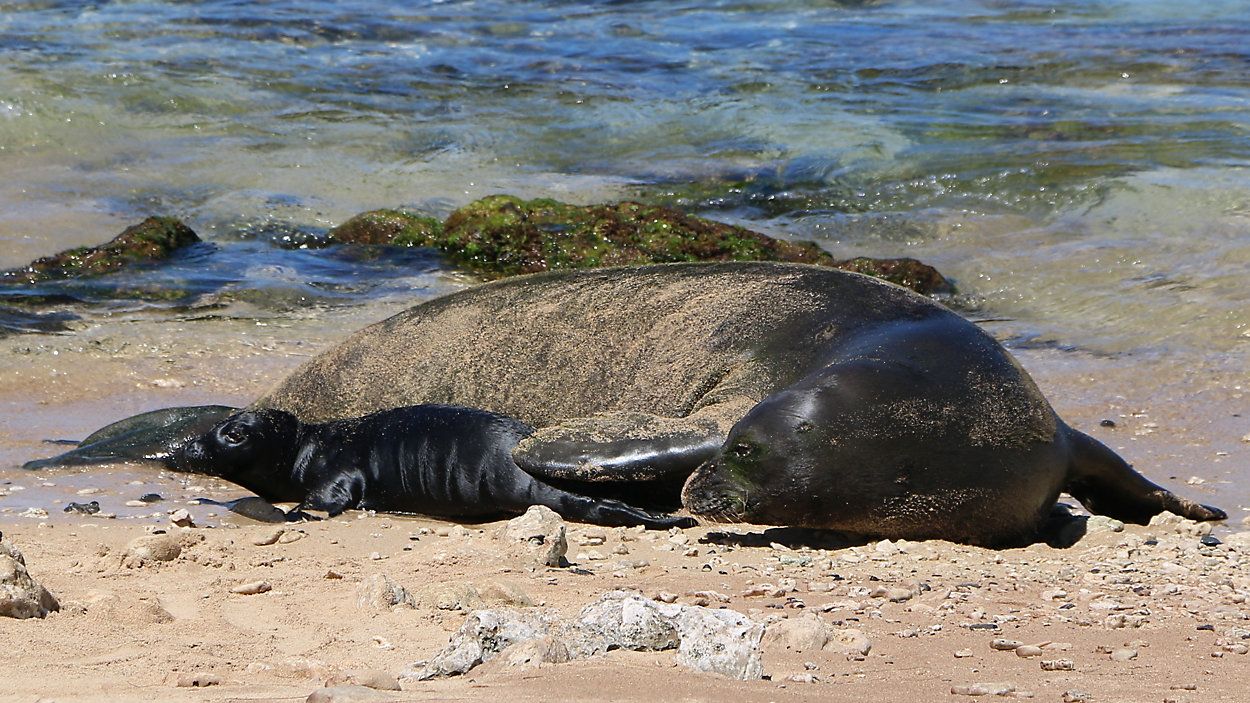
[(620, 447), (151, 436), (1108, 485)]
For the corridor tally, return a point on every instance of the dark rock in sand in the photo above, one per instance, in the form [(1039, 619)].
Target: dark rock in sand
[(153, 239)]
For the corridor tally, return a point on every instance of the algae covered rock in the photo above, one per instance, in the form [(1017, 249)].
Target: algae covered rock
[(503, 235), (154, 239), (388, 227)]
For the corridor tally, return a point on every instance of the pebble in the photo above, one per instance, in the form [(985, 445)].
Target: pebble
[(1058, 665), (198, 680), (347, 694), (963, 653), (182, 518), (1123, 655), (1003, 645), (252, 588), (1028, 650), (369, 678), (268, 537), (88, 491), (803, 678), (1074, 696), (983, 689)]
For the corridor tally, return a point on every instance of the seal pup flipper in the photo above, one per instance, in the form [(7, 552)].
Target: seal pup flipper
[(620, 446), (1107, 485), (600, 511), (336, 496), (150, 436)]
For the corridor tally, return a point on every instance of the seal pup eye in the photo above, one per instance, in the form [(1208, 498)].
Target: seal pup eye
[(233, 435)]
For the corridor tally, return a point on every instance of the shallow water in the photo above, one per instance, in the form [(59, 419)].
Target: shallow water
[(1081, 168)]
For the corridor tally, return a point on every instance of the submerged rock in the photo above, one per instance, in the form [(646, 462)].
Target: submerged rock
[(388, 227), (153, 239), (21, 596)]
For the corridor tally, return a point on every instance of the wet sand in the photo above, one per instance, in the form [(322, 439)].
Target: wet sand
[(130, 633)]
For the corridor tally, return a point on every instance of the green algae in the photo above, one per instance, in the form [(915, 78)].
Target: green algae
[(154, 239), (388, 227)]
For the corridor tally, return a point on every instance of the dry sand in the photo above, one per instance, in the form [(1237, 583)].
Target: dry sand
[(931, 610)]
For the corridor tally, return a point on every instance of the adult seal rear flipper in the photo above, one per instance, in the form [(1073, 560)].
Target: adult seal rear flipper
[(619, 447), (150, 436), (1107, 485)]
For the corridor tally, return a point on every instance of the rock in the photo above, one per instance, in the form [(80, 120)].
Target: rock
[(1004, 645), (393, 227), (379, 592), (504, 593), (853, 642), (21, 596), (484, 634), (983, 689), (252, 588), (963, 653), (198, 680), (268, 537), (1123, 655), (449, 595), (805, 633), (719, 641), (153, 239), (1074, 696), (182, 518), (532, 654), (1102, 523), (348, 694), (540, 536), (1058, 665), (624, 621), (1028, 650), (150, 549), (369, 678)]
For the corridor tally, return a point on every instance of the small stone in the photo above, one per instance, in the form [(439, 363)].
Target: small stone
[(252, 588), (963, 653), (1058, 665), (182, 518), (348, 694), (1027, 650), (369, 678), (1004, 645), (151, 548), (1123, 655), (198, 680), (1074, 696), (268, 537), (540, 534), (983, 689), (802, 678), (379, 592), (1236, 648)]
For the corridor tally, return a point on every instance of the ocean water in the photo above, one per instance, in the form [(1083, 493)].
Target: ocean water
[(1082, 169)]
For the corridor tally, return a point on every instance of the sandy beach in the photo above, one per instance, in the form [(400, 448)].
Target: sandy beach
[(1143, 614)]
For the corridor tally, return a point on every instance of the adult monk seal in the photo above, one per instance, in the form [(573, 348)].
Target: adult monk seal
[(427, 459), (644, 372)]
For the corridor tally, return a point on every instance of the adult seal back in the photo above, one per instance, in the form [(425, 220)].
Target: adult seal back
[(804, 396)]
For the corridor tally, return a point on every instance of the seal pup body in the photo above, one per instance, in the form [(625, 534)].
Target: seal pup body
[(428, 459)]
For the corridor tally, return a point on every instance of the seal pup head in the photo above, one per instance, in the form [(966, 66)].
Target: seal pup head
[(255, 449)]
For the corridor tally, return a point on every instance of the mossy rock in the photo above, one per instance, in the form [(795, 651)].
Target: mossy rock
[(154, 239), (388, 227), (502, 235)]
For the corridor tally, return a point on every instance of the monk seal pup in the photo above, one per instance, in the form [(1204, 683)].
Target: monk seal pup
[(427, 459)]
